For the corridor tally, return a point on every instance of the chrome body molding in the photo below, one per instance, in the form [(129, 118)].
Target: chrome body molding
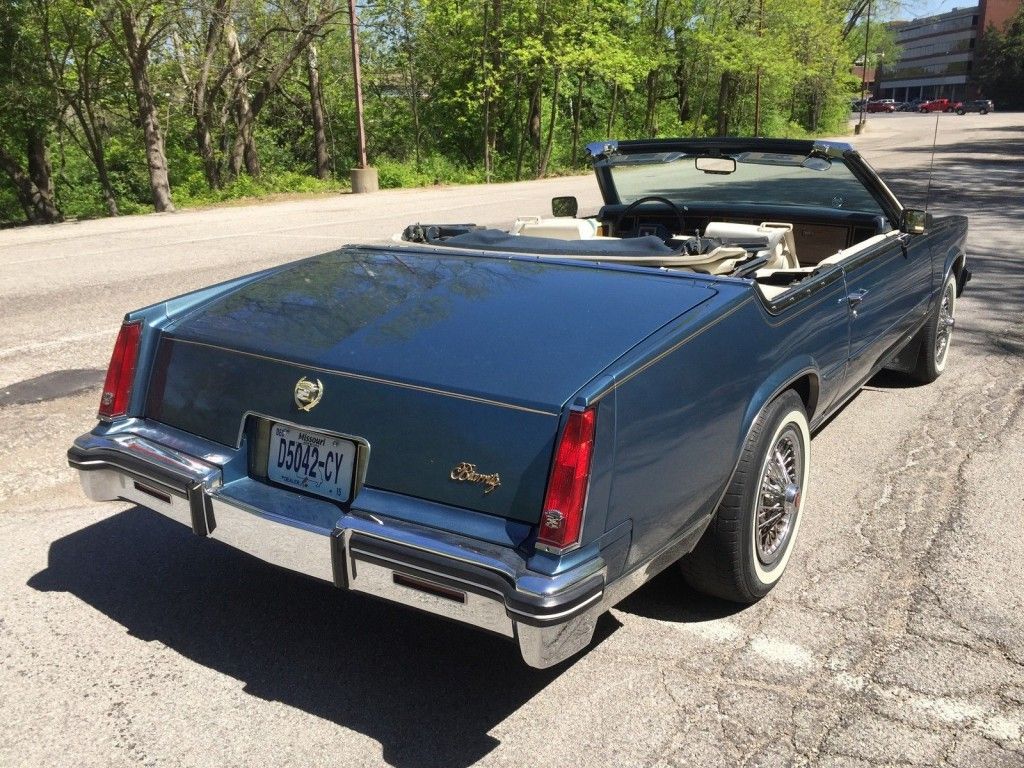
[(481, 584)]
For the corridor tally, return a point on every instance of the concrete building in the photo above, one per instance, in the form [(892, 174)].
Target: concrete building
[(938, 54)]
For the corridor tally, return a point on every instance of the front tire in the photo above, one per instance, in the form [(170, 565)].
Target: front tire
[(745, 550), (937, 335)]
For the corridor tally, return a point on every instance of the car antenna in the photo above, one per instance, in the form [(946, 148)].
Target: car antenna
[(931, 164)]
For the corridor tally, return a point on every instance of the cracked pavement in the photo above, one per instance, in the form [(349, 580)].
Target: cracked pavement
[(895, 639)]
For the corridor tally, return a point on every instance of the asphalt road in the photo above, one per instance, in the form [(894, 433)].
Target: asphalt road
[(897, 636)]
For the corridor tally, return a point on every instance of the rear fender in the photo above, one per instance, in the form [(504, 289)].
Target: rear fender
[(782, 379), (955, 264)]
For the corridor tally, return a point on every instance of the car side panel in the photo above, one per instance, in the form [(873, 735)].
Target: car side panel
[(893, 283), (682, 421)]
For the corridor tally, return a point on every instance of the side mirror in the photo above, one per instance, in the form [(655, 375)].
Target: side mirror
[(913, 221), (564, 206)]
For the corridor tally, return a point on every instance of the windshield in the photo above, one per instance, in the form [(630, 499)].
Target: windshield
[(759, 177)]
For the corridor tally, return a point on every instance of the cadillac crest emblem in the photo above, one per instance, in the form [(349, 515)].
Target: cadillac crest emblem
[(308, 393)]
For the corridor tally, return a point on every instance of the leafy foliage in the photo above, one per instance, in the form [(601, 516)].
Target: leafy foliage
[(1002, 70), (245, 98)]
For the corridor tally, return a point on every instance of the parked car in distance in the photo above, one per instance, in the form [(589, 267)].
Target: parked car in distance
[(936, 105), (882, 105), (982, 106), (515, 429)]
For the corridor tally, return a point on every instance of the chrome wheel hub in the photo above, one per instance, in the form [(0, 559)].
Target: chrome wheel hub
[(779, 496), (944, 324)]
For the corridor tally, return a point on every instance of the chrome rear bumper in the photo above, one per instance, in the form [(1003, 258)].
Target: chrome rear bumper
[(477, 583)]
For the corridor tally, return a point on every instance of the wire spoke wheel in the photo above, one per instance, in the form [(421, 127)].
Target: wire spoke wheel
[(746, 548), (945, 323), (779, 496)]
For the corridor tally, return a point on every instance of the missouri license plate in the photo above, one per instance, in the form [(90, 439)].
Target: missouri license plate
[(311, 461)]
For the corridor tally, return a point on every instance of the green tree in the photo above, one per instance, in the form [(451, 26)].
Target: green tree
[(1001, 70), (28, 111)]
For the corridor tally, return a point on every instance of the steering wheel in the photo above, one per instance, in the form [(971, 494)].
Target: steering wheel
[(648, 199)]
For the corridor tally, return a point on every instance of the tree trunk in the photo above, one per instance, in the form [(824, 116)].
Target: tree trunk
[(577, 116), (533, 129), (244, 148), (682, 77), (484, 39), (248, 111), (414, 85), (92, 132), (612, 108), (39, 169), (520, 132), (37, 202), (94, 142), (156, 158), (726, 87), (650, 114), (546, 157), (202, 105), (204, 142), (316, 103)]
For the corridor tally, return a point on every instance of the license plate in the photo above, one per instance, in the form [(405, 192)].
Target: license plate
[(311, 461)]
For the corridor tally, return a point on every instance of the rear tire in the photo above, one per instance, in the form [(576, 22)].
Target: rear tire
[(962, 112), (937, 335), (745, 550)]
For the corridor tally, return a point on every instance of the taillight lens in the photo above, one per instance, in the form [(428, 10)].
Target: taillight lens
[(562, 519), (117, 388)]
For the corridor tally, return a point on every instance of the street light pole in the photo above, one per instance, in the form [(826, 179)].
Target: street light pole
[(364, 178), (864, 74)]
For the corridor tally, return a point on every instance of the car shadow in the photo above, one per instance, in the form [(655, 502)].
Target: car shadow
[(428, 690), (667, 597)]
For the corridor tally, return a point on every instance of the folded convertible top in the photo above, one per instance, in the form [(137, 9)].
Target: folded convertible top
[(498, 240)]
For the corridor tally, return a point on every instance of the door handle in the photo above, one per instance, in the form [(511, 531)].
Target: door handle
[(853, 299)]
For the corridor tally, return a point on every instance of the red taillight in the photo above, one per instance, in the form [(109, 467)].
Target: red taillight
[(562, 518), (117, 388)]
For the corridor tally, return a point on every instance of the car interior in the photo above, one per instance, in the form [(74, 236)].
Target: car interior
[(776, 246)]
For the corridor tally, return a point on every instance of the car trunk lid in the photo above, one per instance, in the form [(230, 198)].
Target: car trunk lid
[(434, 359)]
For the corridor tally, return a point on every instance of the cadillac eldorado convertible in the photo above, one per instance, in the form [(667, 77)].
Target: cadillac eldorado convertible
[(517, 428)]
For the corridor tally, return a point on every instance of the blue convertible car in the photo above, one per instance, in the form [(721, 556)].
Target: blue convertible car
[(515, 429)]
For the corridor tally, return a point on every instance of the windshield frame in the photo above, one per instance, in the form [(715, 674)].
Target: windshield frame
[(604, 154)]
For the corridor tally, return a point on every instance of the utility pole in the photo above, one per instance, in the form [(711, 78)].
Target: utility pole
[(364, 178), (757, 84), (859, 128)]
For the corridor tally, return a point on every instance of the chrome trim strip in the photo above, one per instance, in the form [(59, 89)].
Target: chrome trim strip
[(153, 453), (596, 597), (365, 377), (405, 534)]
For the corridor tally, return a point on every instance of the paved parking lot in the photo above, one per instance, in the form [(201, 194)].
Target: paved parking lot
[(896, 638)]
